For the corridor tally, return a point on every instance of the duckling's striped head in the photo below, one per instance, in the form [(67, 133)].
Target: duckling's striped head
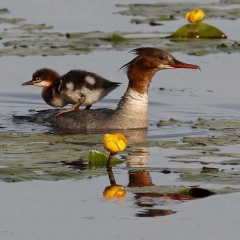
[(43, 77)]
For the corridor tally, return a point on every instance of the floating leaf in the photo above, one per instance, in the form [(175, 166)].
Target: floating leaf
[(4, 10), (209, 170), (170, 122), (118, 38), (169, 11), (99, 159), (198, 30)]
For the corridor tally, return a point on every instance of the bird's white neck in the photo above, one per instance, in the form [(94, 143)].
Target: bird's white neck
[(133, 109)]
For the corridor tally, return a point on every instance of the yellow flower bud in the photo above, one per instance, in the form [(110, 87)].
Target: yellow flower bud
[(114, 142), (196, 15), (187, 15), (114, 192)]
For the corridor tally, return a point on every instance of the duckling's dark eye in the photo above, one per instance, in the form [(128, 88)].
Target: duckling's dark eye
[(162, 57), (38, 79)]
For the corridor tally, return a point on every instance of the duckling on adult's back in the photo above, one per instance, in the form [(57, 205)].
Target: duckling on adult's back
[(132, 110), (77, 87)]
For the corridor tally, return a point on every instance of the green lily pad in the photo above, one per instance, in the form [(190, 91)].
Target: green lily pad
[(198, 30), (98, 159), (159, 12), (209, 170), (23, 38), (118, 38), (170, 122), (4, 10)]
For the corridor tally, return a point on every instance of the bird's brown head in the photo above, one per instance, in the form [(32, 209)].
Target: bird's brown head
[(150, 60), (43, 77)]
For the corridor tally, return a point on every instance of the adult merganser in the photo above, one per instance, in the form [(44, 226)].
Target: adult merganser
[(132, 110), (76, 87)]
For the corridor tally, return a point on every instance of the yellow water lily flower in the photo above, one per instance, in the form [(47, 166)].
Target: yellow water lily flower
[(196, 15), (116, 191), (115, 142)]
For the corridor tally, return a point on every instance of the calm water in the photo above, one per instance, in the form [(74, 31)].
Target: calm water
[(76, 209)]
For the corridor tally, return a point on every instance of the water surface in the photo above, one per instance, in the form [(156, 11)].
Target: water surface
[(55, 200)]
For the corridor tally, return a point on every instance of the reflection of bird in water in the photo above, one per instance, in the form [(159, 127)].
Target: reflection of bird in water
[(137, 157)]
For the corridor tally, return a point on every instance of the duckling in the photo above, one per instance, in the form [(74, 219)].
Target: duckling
[(77, 87)]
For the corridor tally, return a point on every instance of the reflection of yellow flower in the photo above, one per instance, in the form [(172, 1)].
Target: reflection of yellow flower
[(114, 142), (196, 15), (114, 192)]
